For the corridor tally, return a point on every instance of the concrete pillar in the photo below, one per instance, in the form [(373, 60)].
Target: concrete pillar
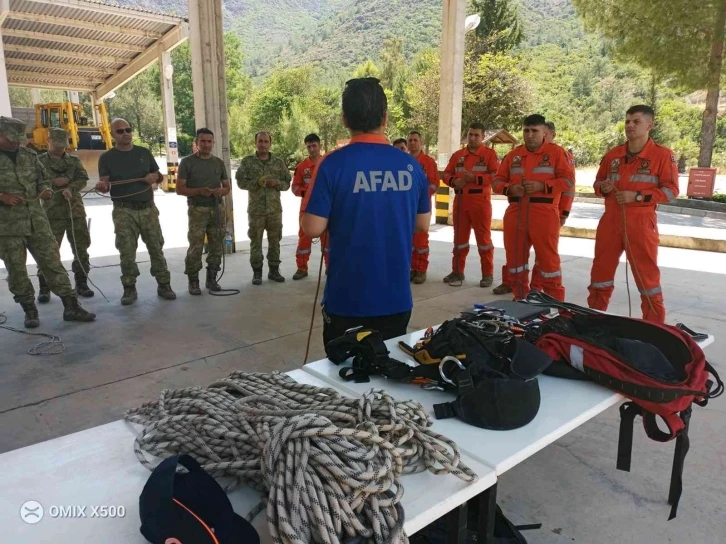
[(208, 81), (167, 99), (452, 81), (35, 96), (73, 97), (94, 113), (4, 87)]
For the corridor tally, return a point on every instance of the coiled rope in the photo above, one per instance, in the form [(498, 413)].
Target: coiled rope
[(331, 465)]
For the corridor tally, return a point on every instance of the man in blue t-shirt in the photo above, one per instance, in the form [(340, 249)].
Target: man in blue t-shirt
[(370, 197)]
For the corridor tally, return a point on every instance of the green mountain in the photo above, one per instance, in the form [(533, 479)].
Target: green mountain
[(337, 35)]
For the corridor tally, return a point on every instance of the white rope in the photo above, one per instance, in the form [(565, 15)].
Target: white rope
[(331, 465)]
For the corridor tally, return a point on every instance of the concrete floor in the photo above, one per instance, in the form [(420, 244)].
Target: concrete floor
[(131, 353)]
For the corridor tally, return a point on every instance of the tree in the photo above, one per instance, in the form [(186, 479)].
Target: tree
[(499, 30), (394, 63), (367, 69), (325, 109), (140, 106), (423, 97), (495, 93), (692, 50)]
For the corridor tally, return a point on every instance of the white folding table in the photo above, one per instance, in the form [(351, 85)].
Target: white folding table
[(98, 467), (565, 405)]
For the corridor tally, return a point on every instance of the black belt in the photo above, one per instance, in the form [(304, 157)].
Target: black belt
[(211, 204), (133, 205), (469, 192), (533, 200)]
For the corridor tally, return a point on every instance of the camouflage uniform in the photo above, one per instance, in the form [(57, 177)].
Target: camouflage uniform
[(264, 209), (59, 214), (25, 227)]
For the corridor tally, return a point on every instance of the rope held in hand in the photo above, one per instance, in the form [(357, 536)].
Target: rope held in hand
[(330, 465)]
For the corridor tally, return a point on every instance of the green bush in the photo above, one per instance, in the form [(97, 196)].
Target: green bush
[(719, 198)]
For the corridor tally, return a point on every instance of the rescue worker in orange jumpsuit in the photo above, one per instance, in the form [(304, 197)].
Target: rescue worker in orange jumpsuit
[(420, 253), (470, 172), (300, 183), (565, 207), (533, 176), (400, 143), (633, 178)]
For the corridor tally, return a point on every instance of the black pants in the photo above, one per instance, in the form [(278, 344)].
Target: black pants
[(389, 326)]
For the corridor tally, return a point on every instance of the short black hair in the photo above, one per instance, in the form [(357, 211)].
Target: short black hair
[(312, 138), (400, 141), (641, 108), (364, 104), (534, 120), (205, 130), (416, 132), (263, 132), (476, 125), (550, 125)]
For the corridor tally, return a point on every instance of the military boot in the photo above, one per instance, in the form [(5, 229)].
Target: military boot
[(419, 278), (43, 290), (164, 291), (486, 281), (211, 282), (194, 285), (130, 295), (73, 311), (32, 320), (82, 287), (257, 276), (502, 289), (454, 277), (300, 274), (274, 274)]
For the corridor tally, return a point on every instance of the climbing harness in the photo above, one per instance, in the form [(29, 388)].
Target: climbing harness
[(330, 465)]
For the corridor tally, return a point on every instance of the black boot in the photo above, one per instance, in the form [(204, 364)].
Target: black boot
[(194, 285), (43, 290), (257, 276), (274, 274), (165, 291), (82, 287), (73, 311), (211, 283), (130, 295), (31, 315)]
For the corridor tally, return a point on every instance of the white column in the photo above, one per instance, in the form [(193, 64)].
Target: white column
[(4, 87), (167, 99), (94, 113), (452, 81), (35, 96), (73, 97), (208, 80)]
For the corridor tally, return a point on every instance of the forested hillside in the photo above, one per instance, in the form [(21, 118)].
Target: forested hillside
[(294, 56)]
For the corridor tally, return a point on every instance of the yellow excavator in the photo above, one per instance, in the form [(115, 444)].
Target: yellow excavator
[(86, 139)]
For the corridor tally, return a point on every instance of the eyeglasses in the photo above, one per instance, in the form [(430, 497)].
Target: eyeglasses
[(127, 130)]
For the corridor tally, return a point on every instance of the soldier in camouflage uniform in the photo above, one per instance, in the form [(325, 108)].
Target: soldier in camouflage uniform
[(24, 227), (134, 212), (203, 179), (264, 176), (65, 210)]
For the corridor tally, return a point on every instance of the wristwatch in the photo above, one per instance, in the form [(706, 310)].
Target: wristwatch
[(639, 197)]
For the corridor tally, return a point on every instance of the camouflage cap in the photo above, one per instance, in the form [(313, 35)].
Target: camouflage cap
[(58, 136), (12, 129)]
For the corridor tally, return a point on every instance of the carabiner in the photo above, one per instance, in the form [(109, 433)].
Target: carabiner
[(441, 368)]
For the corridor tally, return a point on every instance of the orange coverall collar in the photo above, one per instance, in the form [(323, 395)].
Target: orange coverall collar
[(645, 153), (369, 139)]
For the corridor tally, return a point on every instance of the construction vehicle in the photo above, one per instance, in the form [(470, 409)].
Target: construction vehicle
[(85, 139)]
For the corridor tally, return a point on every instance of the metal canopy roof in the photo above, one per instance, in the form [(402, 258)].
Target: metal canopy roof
[(82, 45)]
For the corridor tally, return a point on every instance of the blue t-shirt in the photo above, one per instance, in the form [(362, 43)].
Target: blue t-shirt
[(370, 192)]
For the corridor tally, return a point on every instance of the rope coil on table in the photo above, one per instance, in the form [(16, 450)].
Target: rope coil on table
[(331, 465)]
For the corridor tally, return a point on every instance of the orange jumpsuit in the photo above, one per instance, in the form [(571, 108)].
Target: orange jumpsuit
[(654, 173), (565, 206), (300, 182), (473, 206), (534, 219), (420, 252)]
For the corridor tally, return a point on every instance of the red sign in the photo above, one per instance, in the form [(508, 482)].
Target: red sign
[(701, 182)]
